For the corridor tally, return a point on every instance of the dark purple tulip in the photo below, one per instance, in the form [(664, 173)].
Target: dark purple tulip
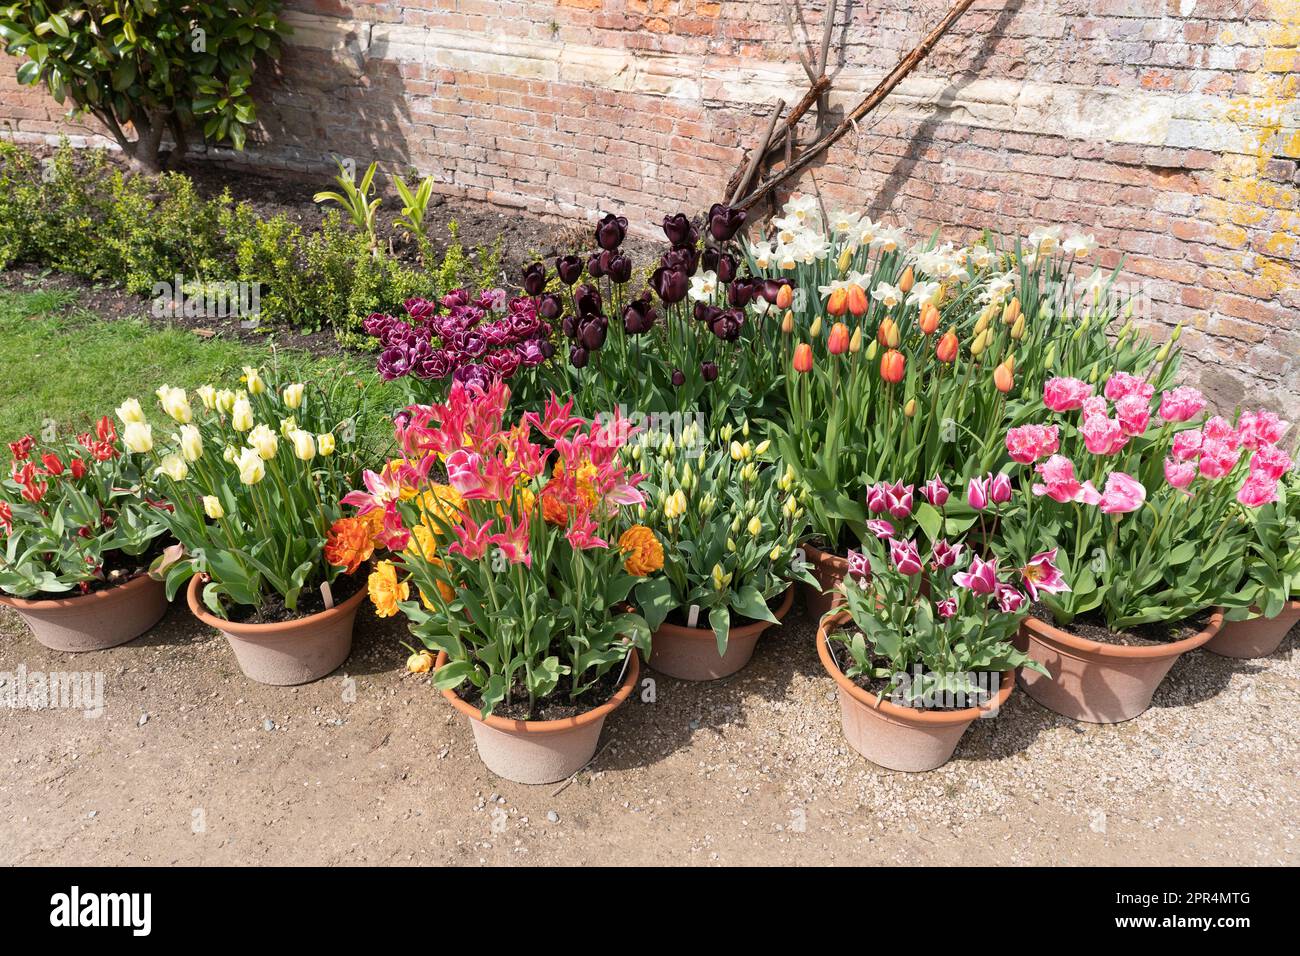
[(709, 370), (592, 333), (725, 222), (727, 325), (725, 268), (435, 366), (569, 268), (639, 317), (679, 230), (454, 298), (550, 306), (547, 349), (535, 279), (706, 313), (610, 231), (594, 267), (587, 298), (619, 269), (421, 310), (670, 284), (578, 357), (377, 323), (771, 289), (709, 258), (393, 363), (569, 326), (740, 293), (684, 259), (679, 378), (473, 376), (503, 363)]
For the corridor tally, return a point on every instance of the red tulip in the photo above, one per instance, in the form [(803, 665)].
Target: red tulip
[(838, 341), (52, 464), (946, 350), (803, 357), (893, 366)]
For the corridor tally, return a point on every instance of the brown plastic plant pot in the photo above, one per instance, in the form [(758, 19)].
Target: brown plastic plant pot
[(540, 751), (1095, 682), (900, 738), (691, 653), (288, 652), (829, 570), (1258, 637), (94, 621)]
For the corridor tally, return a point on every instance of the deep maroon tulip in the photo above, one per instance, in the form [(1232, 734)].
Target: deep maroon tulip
[(726, 268), (771, 289), (587, 298), (592, 332), (679, 378), (725, 222), (594, 267), (620, 269), (454, 299), (639, 317), (685, 259), (706, 313), (709, 370), (578, 357), (670, 284), (728, 324), (569, 326), (377, 323), (420, 310), (610, 231), (569, 268), (740, 293), (550, 306), (547, 348), (535, 279), (679, 230)]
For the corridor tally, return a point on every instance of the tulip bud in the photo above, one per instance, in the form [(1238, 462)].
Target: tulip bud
[(803, 357), (815, 330), (138, 436), (838, 342), (910, 408), (981, 323), (212, 507), (887, 334), (907, 280), (1003, 378), (1049, 360), (241, 416), (855, 343), (1018, 329), (857, 300), (325, 444), (208, 395), (292, 395), (1011, 312), (929, 322), (872, 351), (304, 446), (755, 527), (1163, 354), (977, 347), (784, 297), (1177, 333), (761, 448), (893, 366)]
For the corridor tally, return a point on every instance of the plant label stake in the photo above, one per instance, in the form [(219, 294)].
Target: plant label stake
[(693, 616), (327, 595)]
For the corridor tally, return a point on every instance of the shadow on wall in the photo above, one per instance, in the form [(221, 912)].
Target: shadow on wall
[(902, 171)]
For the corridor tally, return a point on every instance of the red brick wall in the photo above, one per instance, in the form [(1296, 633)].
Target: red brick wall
[(1167, 129)]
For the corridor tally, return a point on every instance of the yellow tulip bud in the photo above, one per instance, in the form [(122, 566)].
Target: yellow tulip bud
[(1018, 329), (212, 507), (871, 351), (775, 554), (761, 448), (855, 341), (191, 443), (787, 323), (325, 444), (846, 259), (910, 408), (815, 329), (737, 452), (253, 381), (754, 527), (174, 467)]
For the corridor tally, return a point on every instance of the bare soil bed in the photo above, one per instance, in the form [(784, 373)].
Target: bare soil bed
[(191, 763)]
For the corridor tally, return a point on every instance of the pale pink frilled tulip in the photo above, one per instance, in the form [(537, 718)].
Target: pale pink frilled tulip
[(1122, 494), (1270, 462), (1256, 429), (1060, 483), (1187, 445), (1182, 404), (1180, 474), (1062, 394)]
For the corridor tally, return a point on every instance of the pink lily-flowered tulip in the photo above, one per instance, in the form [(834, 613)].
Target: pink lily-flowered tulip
[(1134, 414), (936, 492), (1122, 494), (999, 488), (1256, 429), (1103, 436), (905, 556), (977, 493), (471, 538), (1180, 474), (945, 555), (880, 528), (859, 567), (1010, 599), (898, 499), (877, 499), (1028, 443), (982, 577), (1122, 384), (1270, 462), (1257, 491), (1187, 445), (1041, 575), (1062, 394), (946, 608), (1060, 484), (1182, 404), (513, 541)]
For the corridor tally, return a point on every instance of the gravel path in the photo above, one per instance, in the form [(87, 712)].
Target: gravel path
[(191, 763)]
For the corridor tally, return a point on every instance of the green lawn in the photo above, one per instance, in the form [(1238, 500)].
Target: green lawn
[(61, 363)]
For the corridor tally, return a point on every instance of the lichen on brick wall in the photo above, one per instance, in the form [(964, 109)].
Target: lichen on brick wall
[(1171, 131)]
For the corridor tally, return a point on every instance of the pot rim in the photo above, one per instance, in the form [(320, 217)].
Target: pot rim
[(543, 727), (907, 715), (279, 627), (80, 600), (752, 629), (1085, 648), (817, 556)]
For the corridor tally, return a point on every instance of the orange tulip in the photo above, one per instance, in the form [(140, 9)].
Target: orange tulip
[(803, 357), (887, 334), (929, 319), (857, 300), (907, 280), (893, 366), (946, 350), (787, 323), (784, 296), (1003, 378), (838, 342), (838, 303)]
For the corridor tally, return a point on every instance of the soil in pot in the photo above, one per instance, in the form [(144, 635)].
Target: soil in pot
[(1102, 676), (691, 653), (557, 706), (310, 601)]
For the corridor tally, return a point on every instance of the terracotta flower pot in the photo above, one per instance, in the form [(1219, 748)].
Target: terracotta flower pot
[(900, 738), (691, 653), (1095, 682), (540, 751), (289, 652), (1258, 637), (829, 570), (94, 621)]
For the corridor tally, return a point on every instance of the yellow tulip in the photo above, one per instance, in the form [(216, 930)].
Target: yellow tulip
[(325, 444), (174, 467), (304, 446), (292, 395), (138, 436), (253, 381), (212, 507), (130, 411), (251, 468), (241, 415), (265, 441), (191, 443)]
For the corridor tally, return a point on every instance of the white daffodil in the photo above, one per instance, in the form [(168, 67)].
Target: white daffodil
[(1045, 239), (1080, 245), (923, 292), (704, 286), (886, 294), (887, 238)]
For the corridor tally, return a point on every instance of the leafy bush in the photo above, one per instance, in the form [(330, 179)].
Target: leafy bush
[(157, 65)]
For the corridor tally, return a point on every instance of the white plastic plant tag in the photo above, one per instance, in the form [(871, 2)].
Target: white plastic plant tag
[(693, 616), (327, 595)]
